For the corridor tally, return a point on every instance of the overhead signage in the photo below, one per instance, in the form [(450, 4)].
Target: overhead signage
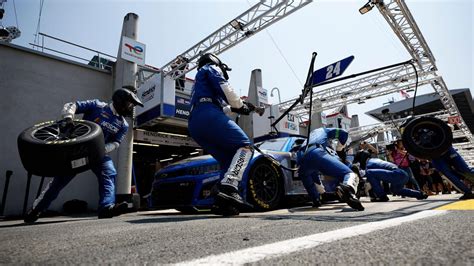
[(149, 93), (331, 71), (454, 120), (133, 51), (288, 124), (262, 95), (164, 139), (183, 107), (324, 120)]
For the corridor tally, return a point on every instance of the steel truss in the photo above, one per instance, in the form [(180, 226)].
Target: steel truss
[(398, 16), (372, 86), (255, 19)]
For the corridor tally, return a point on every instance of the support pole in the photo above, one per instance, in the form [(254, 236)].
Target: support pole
[(27, 192), (8, 174), (125, 74)]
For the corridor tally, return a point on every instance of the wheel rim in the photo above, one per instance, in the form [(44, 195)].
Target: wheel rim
[(428, 136), (54, 133), (265, 183)]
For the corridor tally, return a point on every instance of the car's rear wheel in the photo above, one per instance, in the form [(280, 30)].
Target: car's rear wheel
[(265, 186)]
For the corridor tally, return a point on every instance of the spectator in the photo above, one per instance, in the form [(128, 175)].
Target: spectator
[(368, 147), (426, 171), (400, 158), (179, 66)]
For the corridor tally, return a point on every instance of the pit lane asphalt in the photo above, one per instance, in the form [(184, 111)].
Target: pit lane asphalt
[(161, 237)]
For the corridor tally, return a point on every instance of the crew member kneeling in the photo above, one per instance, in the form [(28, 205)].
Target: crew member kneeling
[(377, 170), (318, 157)]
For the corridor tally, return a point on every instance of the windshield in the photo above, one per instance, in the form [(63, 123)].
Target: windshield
[(272, 144)]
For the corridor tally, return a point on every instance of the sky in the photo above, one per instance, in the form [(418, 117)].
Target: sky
[(332, 28)]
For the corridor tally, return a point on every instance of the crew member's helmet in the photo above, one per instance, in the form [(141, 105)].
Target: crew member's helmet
[(124, 100), (212, 59)]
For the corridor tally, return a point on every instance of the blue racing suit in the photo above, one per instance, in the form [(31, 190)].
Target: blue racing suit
[(114, 128), (316, 159), (451, 164), (213, 130), (378, 170)]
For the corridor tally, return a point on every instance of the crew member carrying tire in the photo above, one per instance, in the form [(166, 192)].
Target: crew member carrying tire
[(431, 138), (110, 117), (377, 170), (315, 157), (216, 133)]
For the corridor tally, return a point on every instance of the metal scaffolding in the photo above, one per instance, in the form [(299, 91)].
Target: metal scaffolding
[(255, 19), (398, 16)]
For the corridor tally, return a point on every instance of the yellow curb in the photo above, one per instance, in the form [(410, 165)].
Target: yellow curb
[(462, 205)]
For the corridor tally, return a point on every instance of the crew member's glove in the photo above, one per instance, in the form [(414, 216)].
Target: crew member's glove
[(244, 110), (66, 123)]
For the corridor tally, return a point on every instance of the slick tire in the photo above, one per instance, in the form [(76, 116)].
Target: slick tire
[(44, 151), (265, 186), (427, 137)]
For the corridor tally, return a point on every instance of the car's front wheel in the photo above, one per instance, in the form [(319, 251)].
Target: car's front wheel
[(265, 186)]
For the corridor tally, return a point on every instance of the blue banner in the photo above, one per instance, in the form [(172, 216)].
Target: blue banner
[(183, 106), (331, 71)]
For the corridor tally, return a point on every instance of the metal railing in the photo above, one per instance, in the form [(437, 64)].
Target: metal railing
[(99, 60)]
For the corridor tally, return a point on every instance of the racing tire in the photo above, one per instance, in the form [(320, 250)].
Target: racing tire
[(265, 187), (47, 151), (427, 137)]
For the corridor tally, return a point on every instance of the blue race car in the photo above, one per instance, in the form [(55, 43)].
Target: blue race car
[(186, 185)]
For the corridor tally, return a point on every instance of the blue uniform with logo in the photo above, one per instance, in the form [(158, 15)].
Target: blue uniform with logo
[(452, 165), (208, 125), (378, 170), (114, 128), (318, 159)]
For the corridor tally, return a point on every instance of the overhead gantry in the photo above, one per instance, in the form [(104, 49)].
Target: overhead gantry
[(400, 19)]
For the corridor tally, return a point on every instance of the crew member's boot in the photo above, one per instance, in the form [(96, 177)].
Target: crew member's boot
[(467, 196), (228, 193), (113, 210), (347, 190), (224, 207), (346, 193), (32, 216), (384, 198)]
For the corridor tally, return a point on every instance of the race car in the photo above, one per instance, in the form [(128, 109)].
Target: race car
[(187, 185)]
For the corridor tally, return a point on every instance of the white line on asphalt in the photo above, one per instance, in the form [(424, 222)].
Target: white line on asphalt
[(285, 247)]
